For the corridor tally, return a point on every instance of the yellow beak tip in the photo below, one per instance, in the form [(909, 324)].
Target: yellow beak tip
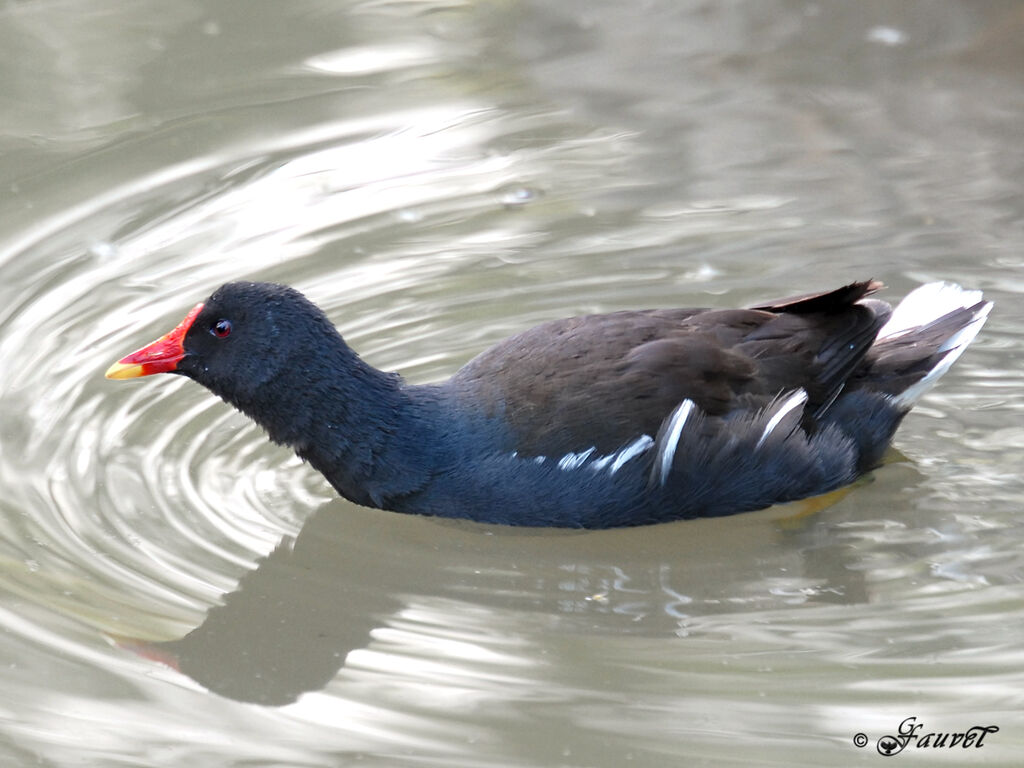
[(122, 371)]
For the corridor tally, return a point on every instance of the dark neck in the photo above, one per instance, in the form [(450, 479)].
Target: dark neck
[(360, 427)]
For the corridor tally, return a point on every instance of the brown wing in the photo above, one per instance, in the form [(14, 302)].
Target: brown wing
[(603, 380)]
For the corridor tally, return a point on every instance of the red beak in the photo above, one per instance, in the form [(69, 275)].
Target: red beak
[(159, 357)]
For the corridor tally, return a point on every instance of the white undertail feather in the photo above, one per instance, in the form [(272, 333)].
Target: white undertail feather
[(795, 400), (674, 430), (928, 303), (925, 305)]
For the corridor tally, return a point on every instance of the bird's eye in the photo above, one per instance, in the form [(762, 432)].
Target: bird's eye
[(221, 328)]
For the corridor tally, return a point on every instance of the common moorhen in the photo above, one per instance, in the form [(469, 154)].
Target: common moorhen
[(597, 421)]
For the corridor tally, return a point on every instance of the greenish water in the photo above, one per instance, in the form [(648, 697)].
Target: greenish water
[(174, 590)]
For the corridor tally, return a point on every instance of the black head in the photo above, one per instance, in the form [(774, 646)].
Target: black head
[(275, 356), (246, 334), (242, 337)]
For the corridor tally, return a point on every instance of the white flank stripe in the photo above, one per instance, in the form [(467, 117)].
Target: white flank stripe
[(925, 304), (796, 400), (667, 451), (631, 451), (574, 460), (613, 461)]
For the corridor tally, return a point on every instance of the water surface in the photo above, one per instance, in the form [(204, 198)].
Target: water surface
[(176, 590)]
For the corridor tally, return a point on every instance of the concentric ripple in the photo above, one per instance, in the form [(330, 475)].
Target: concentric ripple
[(155, 489), (153, 497)]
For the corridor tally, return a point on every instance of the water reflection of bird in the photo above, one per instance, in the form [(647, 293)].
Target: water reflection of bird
[(598, 421), (352, 574)]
